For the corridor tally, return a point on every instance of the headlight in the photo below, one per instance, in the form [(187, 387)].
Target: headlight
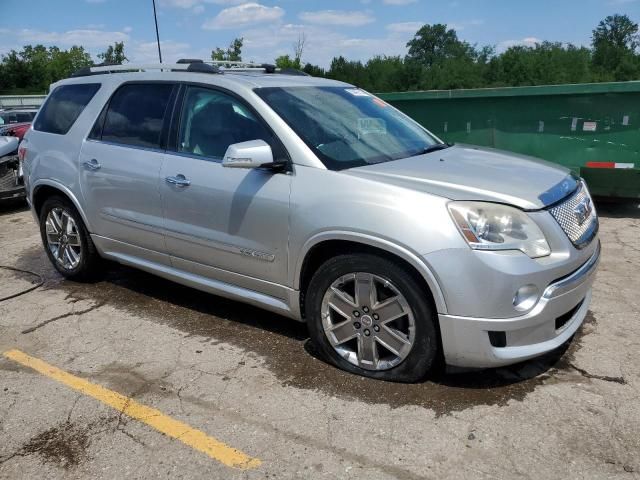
[(491, 226)]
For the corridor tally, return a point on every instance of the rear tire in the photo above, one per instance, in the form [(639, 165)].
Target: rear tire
[(67, 241), (389, 334)]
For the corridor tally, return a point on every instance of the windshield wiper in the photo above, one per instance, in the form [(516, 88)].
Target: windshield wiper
[(435, 147)]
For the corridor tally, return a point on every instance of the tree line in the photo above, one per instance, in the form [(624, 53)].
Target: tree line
[(436, 58)]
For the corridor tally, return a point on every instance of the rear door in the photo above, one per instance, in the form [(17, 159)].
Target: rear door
[(224, 221), (120, 166)]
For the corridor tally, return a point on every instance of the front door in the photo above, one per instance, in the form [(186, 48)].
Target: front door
[(225, 223), (120, 166)]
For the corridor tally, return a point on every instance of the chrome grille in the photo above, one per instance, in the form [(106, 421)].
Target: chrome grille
[(567, 214)]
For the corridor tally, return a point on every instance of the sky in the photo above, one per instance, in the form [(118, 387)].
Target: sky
[(356, 29)]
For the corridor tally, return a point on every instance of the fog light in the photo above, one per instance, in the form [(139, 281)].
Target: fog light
[(525, 298)]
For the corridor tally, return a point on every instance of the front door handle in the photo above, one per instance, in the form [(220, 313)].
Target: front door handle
[(179, 180), (92, 164)]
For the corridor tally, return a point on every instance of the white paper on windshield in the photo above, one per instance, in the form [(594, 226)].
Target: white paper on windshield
[(356, 92), (367, 125)]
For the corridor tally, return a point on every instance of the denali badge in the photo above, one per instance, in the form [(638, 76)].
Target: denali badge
[(583, 210)]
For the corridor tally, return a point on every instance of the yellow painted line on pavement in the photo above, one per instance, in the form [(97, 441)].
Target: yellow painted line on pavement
[(190, 436)]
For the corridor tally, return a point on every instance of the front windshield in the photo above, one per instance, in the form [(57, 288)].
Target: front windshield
[(347, 127)]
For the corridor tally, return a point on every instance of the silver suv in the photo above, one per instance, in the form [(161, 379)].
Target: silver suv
[(319, 201)]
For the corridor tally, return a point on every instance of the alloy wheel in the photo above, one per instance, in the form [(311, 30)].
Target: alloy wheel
[(63, 238), (368, 321)]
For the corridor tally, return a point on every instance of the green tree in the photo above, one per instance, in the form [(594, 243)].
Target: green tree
[(285, 61), (34, 68), (62, 63), (233, 53), (114, 54), (433, 44), (545, 63), (348, 71), (314, 70), (615, 42)]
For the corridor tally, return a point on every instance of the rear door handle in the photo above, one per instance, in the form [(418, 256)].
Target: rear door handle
[(179, 180), (92, 164)]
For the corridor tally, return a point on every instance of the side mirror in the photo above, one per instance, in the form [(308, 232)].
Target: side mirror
[(251, 154)]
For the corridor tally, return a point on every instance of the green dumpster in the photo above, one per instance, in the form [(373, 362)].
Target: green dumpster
[(593, 129)]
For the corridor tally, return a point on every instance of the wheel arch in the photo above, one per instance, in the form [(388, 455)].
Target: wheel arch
[(329, 244), (47, 188)]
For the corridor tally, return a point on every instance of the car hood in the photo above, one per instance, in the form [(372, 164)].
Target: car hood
[(466, 172)]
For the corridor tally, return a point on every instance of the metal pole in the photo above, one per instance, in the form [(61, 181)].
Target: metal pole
[(155, 17)]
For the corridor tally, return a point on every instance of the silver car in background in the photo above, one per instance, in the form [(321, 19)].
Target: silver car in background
[(319, 201)]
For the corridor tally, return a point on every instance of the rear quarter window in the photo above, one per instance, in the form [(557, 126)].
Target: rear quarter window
[(63, 107)]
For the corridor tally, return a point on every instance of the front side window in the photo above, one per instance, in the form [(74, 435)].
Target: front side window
[(63, 107), (136, 114), (212, 120), (347, 127)]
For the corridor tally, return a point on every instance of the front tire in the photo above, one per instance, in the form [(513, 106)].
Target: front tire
[(67, 241), (368, 316)]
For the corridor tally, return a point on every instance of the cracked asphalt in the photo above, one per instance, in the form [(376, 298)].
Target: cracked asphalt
[(250, 379)]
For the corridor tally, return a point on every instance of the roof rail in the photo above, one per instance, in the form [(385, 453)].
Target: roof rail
[(196, 66), (239, 66), (293, 71)]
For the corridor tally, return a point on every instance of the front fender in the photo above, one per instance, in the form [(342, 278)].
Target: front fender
[(405, 253)]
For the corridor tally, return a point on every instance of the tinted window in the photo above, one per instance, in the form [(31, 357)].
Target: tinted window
[(136, 113), (63, 107), (212, 120)]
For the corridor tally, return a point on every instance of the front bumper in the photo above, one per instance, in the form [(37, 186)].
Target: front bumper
[(555, 318)]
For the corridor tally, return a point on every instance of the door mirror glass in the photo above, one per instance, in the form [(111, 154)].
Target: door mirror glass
[(251, 154)]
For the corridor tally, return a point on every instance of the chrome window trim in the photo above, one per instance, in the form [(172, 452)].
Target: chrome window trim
[(195, 156), (127, 145)]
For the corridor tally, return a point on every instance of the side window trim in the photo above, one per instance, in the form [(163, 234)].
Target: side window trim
[(96, 131), (174, 126), (102, 117), (178, 112)]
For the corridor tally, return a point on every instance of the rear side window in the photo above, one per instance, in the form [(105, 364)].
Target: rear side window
[(136, 114), (64, 106)]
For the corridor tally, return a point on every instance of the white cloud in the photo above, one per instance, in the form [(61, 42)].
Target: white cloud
[(404, 27), (337, 17), (188, 4), (398, 2), (180, 3), (242, 15), (88, 38), (527, 42), (322, 44), (147, 52), (465, 24), (96, 41)]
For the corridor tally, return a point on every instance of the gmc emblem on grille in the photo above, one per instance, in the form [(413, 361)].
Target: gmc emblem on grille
[(583, 210)]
